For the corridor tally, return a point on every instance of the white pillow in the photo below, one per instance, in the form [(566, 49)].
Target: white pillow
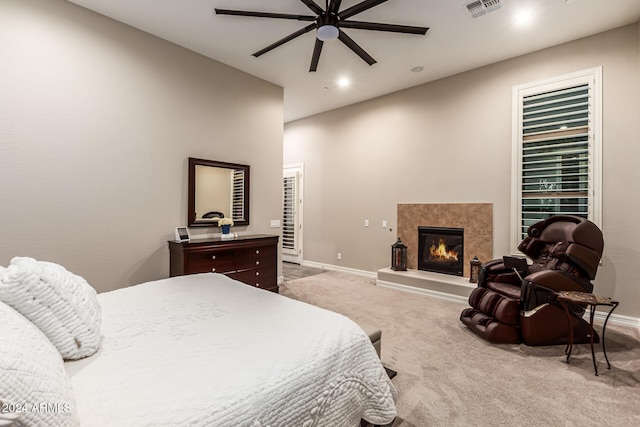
[(62, 305), (34, 387)]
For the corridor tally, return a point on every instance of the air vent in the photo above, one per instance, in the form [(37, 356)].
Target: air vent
[(480, 7)]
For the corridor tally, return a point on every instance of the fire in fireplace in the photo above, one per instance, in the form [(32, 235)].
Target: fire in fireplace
[(441, 250)]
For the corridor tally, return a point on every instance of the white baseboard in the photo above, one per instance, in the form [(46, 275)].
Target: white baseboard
[(420, 291), (615, 319)]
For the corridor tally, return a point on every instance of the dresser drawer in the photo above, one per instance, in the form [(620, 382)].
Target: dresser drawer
[(252, 259), (265, 278), (257, 257), (210, 261)]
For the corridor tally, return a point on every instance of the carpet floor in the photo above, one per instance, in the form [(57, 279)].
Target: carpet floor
[(448, 376), (292, 271)]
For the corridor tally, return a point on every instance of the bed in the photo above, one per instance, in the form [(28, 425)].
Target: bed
[(206, 350)]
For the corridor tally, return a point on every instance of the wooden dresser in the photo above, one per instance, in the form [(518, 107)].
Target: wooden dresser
[(251, 259)]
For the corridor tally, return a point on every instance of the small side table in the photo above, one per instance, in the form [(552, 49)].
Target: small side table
[(592, 301)]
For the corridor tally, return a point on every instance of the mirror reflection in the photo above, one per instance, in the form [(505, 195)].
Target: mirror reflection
[(217, 190)]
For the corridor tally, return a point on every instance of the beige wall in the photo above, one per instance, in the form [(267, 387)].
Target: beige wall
[(449, 141), (97, 121)]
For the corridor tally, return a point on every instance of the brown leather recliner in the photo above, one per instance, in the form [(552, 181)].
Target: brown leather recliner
[(513, 307)]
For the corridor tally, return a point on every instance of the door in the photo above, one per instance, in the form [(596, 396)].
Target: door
[(292, 214)]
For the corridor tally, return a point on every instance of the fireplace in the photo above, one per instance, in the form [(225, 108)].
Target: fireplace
[(441, 250)]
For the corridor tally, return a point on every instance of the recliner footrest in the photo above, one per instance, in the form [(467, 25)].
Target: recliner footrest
[(489, 328)]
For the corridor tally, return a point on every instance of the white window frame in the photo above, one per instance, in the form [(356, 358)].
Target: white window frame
[(591, 76)]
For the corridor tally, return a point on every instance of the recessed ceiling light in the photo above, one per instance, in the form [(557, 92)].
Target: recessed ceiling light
[(523, 18), (417, 69), (344, 82)]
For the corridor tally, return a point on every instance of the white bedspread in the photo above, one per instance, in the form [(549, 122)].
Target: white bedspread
[(205, 350)]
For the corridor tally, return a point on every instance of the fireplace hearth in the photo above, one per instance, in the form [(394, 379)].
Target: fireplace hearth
[(441, 250)]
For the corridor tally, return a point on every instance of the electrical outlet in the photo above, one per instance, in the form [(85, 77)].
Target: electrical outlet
[(339, 255), (384, 223), (366, 222)]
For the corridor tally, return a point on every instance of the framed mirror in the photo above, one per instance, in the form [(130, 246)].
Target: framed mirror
[(217, 190)]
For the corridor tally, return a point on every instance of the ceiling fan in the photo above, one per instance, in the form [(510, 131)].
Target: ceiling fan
[(328, 23)]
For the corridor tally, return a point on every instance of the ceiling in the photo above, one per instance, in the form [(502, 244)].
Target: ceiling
[(455, 42)]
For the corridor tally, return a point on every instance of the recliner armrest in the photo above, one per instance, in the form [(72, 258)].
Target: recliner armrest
[(557, 280), (495, 271), (489, 268), (494, 265)]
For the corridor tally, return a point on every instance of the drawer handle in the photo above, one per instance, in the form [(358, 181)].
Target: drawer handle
[(257, 273), (213, 257), (257, 285), (257, 262), (257, 251), (213, 270)]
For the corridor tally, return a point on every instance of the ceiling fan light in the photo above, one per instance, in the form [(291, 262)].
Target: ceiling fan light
[(327, 32)]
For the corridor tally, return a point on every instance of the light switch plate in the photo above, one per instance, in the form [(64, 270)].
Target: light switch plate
[(275, 223)]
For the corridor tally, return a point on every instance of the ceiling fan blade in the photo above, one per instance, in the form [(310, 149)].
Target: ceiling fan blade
[(407, 29), (313, 6), (356, 48), (317, 49), (264, 14), (334, 6), (360, 7), (285, 39)]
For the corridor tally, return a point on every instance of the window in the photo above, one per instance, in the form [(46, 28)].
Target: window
[(557, 145)]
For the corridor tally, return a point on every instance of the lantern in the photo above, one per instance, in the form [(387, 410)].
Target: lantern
[(474, 271), (399, 256)]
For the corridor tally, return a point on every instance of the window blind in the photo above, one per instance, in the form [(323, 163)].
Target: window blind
[(237, 206), (555, 154), (288, 217)]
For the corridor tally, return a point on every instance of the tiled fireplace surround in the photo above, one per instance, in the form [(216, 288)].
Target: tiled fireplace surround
[(477, 221)]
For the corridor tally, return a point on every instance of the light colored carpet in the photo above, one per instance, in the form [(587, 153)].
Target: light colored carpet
[(292, 271), (447, 376)]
